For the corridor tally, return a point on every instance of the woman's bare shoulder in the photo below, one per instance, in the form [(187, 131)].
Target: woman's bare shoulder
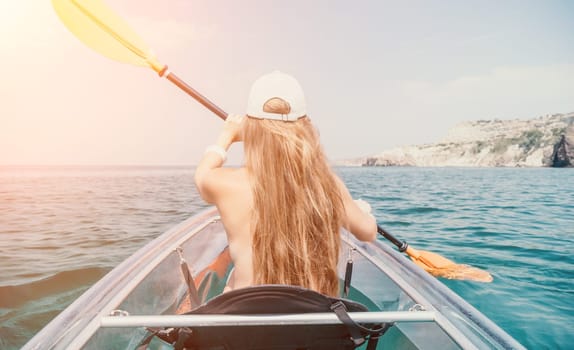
[(219, 183), (230, 180), (235, 175)]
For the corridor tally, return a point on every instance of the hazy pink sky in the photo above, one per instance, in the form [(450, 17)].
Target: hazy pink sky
[(377, 74)]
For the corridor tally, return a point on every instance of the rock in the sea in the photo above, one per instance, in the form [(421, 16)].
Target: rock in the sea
[(563, 155)]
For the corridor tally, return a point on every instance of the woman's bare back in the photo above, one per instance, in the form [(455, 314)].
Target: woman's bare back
[(234, 200), (235, 209)]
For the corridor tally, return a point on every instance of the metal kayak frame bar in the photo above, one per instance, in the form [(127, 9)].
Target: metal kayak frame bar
[(263, 320)]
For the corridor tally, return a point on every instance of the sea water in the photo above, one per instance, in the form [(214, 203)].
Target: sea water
[(63, 228)]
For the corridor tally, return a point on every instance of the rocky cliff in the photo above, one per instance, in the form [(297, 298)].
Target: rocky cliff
[(543, 141)]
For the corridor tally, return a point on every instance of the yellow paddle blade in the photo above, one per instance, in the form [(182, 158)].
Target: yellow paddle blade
[(440, 266), (462, 272), (97, 26)]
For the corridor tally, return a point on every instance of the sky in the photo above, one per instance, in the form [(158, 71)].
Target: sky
[(376, 74)]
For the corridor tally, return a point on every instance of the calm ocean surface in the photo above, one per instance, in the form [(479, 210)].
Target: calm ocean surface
[(61, 229)]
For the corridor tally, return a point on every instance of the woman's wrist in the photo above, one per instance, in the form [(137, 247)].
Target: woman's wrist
[(220, 147), (217, 149), (224, 141)]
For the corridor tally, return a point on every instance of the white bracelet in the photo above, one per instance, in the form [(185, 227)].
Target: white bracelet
[(218, 150)]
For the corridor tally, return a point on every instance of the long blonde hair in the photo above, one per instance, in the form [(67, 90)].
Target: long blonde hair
[(298, 210)]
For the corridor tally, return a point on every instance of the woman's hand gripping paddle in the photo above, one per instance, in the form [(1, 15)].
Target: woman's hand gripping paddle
[(438, 265), (100, 28)]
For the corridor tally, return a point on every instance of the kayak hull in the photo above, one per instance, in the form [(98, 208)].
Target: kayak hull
[(150, 286)]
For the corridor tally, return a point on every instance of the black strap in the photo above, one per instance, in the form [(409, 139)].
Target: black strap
[(348, 276), (188, 277), (183, 335), (374, 338), (168, 335), (353, 328), (373, 342)]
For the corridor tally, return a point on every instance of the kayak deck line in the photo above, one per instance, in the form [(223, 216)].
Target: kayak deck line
[(263, 320)]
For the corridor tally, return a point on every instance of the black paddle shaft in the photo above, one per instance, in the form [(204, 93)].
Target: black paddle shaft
[(196, 95), (402, 245)]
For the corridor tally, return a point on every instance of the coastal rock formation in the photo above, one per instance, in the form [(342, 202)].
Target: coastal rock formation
[(563, 155), (543, 141)]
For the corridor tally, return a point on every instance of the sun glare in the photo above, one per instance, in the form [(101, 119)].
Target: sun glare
[(12, 14)]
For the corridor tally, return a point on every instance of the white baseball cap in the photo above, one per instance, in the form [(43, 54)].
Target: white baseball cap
[(276, 85)]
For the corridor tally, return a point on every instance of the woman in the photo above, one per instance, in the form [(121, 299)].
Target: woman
[(284, 209)]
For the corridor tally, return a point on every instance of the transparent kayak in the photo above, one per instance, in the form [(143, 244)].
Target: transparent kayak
[(149, 290)]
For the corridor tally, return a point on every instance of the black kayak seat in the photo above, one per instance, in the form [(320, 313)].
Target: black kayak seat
[(275, 300)]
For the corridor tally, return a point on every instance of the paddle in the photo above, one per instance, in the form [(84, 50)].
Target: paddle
[(100, 28), (437, 265)]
